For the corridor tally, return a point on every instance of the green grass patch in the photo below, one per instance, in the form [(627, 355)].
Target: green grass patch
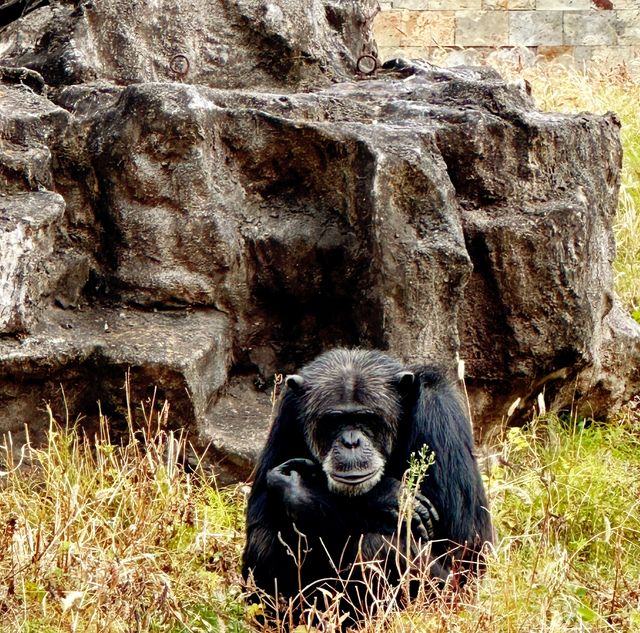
[(565, 499), (567, 506)]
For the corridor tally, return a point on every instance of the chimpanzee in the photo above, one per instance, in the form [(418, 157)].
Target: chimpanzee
[(326, 502)]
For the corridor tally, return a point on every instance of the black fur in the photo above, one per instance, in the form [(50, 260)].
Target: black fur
[(340, 397)]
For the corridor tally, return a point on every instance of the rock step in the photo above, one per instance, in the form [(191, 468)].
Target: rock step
[(87, 353)]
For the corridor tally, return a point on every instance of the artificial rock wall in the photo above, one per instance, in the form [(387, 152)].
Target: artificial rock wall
[(201, 226), (451, 32)]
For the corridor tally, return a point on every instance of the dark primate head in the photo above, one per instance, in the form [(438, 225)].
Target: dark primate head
[(351, 403)]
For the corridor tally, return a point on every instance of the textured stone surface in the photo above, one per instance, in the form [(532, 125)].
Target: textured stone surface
[(39, 263), (514, 57), (533, 28), (411, 29), (30, 125), (563, 5), (84, 356), (509, 5), (629, 56), (590, 28), (613, 55), (226, 43), (467, 29), (627, 4), (456, 56), (411, 4), (555, 53), (628, 26), (482, 28), (454, 5), (27, 241), (208, 238)]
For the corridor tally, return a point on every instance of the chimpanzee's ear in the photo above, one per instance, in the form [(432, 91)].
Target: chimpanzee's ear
[(294, 382), (405, 381)]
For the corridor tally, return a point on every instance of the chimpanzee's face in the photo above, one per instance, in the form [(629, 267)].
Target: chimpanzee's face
[(352, 447), (351, 423)]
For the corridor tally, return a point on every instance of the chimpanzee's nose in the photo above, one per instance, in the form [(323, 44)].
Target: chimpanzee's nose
[(350, 439)]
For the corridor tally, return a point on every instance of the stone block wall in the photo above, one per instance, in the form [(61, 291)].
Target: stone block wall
[(451, 32)]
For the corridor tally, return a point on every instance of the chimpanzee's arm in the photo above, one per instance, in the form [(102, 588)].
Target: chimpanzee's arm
[(297, 516)]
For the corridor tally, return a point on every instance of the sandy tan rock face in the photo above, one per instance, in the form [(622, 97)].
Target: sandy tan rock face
[(208, 237)]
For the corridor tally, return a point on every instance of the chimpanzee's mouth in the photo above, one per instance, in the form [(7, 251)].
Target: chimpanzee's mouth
[(353, 479)]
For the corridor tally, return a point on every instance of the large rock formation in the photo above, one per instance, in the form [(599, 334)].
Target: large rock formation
[(212, 194), (219, 43)]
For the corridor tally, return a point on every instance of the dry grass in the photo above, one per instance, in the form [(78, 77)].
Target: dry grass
[(105, 536)]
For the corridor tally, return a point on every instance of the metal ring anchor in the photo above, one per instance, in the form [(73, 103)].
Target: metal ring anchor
[(367, 64)]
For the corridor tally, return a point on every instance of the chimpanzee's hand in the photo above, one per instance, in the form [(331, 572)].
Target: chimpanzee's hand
[(388, 495), (298, 483)]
